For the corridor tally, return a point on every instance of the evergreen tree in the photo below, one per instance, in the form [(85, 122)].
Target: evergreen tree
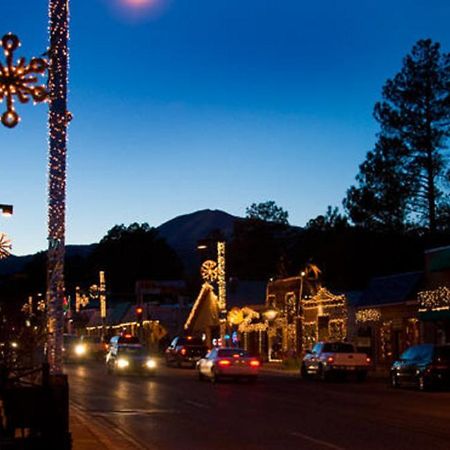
[(380, 200), (268, 212), (403, 178)]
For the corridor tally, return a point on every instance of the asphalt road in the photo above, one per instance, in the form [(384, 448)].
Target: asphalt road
[(175, 411)]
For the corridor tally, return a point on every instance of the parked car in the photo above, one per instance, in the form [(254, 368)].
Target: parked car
[(424, 366), (340, 358), (185, 351), (228, 363)]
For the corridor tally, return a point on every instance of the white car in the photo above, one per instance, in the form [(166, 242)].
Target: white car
[(228, 363)]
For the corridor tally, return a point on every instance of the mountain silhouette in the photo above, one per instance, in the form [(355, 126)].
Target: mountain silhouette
[(182, 233)]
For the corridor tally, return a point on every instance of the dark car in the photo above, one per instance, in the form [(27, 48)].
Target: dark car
[(424, 366), (130, 358), (185, 351)]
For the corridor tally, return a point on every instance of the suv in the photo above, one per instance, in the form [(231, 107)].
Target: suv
[(185, 350), (424, 366)]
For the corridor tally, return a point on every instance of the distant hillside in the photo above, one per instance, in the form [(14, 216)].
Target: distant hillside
[(16, 264), (182, 234)]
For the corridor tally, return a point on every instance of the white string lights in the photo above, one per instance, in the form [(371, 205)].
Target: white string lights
[(57, 122)]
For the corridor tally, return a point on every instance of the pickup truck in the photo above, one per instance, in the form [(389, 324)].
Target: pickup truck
[(327, 358)]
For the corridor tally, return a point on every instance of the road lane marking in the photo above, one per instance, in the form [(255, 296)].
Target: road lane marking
[(316, 441), (197, 404)]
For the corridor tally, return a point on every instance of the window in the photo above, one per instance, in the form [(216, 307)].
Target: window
[(190, 341), (316, 348), (410, 353), (230, 353), (338, 347)]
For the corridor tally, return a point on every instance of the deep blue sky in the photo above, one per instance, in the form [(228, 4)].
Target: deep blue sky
[(197, 104)]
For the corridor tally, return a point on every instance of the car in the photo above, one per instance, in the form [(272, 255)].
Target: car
[(424, 366), (82, 348), (71, 350), (130, 357), (228, 362), (185, 350), (334, 358)]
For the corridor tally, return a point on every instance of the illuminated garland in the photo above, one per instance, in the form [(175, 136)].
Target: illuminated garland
[(221, 280), (368, 315), (248, 315), (436, 300), (57, 122), (385, 340)]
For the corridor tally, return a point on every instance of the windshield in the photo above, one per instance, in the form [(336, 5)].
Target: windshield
[(338, 347), (92, 339), (70, 339), (191, 341), (132, 351), (231, 352)]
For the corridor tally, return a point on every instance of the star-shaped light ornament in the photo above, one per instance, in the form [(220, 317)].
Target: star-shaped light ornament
[(5, 246), (19, 80)]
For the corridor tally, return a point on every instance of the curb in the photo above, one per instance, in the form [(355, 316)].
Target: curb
[(109, 436)]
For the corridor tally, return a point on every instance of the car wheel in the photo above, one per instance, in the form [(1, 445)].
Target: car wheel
[(394, 381), (214, 377), (422, 383), (304, 372), (323, 375)]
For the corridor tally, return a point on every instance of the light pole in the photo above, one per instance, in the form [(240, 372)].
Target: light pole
[(298, 321), (58, 120), (7, 210), (216, 271)]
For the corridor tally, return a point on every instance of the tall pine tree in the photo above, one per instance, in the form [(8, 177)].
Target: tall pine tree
[(403, 178)]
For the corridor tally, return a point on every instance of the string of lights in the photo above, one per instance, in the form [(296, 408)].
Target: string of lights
[(58, 120)]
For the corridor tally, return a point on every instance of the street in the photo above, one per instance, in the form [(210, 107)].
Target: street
[(174, 411)]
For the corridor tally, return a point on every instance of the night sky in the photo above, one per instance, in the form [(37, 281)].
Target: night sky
[(182, 105)]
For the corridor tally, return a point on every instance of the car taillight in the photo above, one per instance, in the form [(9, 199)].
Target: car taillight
[(368, 360), (330, 360), (254, 363), (224, 362), (183, 351)]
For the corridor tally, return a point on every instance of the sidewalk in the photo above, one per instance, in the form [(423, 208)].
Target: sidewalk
[(91, 433), (278, 368)]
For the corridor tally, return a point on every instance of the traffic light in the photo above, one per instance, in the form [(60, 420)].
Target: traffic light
[(139, 310)]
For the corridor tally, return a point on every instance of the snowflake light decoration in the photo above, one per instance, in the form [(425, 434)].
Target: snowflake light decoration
[(209, 270), (19, 80), (5, 246)]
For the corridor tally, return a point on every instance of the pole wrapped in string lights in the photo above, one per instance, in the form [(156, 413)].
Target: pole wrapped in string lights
[(58, 120)]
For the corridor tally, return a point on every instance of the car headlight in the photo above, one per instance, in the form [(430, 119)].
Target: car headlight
[(80, 349), (122, 363), (150, 364)]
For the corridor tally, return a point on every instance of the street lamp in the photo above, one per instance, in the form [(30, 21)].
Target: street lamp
[(7, 210)]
